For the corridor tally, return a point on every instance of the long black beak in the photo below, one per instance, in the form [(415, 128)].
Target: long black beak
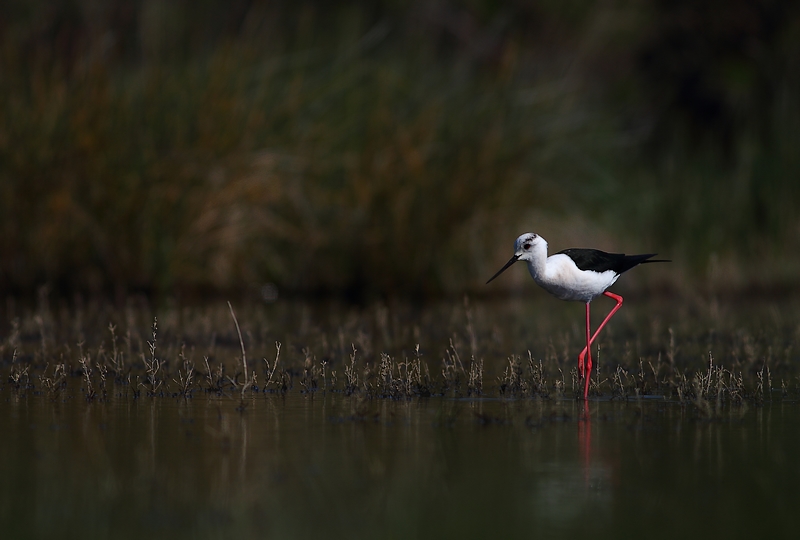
[(511, 261)]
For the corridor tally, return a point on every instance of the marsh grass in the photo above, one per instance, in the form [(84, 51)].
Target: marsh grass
[(168, 147), (235, 152), (392, 355)]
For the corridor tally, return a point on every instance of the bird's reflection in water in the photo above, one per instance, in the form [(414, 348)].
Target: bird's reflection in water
[(567, 489), (585, 441)]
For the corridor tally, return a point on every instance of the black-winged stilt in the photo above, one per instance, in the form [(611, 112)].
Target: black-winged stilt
[(576, 274)]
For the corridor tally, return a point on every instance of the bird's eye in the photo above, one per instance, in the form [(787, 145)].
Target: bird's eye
[(527, 246)]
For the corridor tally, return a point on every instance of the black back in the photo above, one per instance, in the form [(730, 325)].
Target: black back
[(600, 261)]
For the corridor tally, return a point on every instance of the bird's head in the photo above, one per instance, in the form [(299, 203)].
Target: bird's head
[(526, 245), (524, 250)]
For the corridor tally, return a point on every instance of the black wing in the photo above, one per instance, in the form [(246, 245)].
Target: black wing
[(600, 261)]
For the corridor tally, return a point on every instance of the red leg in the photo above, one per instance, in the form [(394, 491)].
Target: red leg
[(586, 368), (582, 355), (602, 324)]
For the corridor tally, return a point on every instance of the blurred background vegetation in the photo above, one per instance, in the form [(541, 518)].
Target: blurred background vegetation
[(381, 148)]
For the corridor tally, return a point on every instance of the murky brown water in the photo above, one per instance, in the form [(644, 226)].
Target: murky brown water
[(337, 467)]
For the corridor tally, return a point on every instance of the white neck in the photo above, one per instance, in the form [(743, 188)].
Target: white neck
[(537, 264)]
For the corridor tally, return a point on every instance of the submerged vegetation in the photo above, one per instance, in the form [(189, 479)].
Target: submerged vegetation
[(380, 148), (96, 353)]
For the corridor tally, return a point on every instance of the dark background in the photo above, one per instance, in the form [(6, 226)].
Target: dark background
[(385, 148)]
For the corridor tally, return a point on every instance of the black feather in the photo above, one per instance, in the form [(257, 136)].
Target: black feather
[(600, 261)]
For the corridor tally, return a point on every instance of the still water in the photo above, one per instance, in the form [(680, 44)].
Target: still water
[(332, 466)]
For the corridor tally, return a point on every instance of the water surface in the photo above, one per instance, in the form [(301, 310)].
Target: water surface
[(332, 466)]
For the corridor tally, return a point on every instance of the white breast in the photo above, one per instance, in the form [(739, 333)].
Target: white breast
[(566, 281)]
